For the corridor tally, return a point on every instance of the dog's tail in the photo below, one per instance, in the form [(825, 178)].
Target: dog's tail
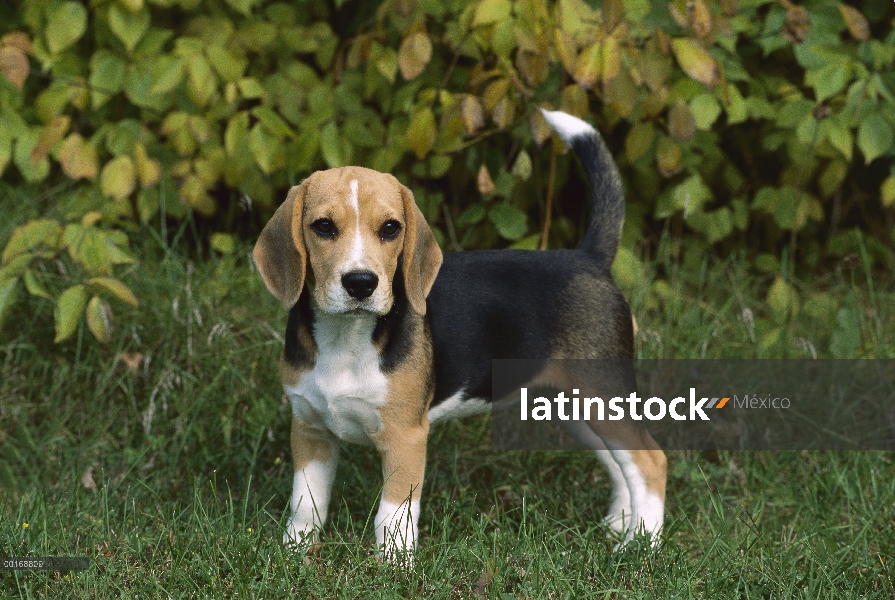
[(604, 232)]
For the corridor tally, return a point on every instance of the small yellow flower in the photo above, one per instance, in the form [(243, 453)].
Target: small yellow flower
[(24, 525), (250, 530)]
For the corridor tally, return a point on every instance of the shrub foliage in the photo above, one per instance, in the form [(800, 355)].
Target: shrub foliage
[(736, 122)]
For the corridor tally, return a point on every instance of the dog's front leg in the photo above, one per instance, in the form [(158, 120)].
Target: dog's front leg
[(403, 452), (315, 454)]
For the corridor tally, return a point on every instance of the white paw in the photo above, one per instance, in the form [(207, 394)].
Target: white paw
[(397, 531)]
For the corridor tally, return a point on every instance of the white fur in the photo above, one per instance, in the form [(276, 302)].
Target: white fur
[(566, 126), (396, 530), (356, 259), (346, 388), (456, 407), (647, 509), (619, 515), (311, 489)]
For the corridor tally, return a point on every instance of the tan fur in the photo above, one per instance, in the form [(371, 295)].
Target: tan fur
[(402, 441), (309, 444), (280, 252)]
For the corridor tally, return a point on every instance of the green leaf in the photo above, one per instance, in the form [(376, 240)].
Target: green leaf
[(887, 191), (30, 235), (116, 288), (23, 149), (510, 222), (627, 270), (846, 337), (8, 295), (242, 6), (521, 167), (106, 77), (5, 149), (530, 242), (35, 286), (223, 243), (783, 300), (66, 26), (875, 137), (471, 215), (169, 73), (839, 135), (127, 26), (228, 65), (16, 267), (266, 149), (331, 146), (273, 122), (68, 311), (99, 319), (705, 109), (828, 80), (639, 140)]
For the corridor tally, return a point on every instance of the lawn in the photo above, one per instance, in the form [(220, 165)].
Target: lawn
[(164, 457)]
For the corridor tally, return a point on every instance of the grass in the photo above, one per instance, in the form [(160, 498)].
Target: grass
[(173, 474)]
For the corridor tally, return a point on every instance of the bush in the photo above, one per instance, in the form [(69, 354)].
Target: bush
[(736, 123)]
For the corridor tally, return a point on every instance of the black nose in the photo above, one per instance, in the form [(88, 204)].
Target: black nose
[(360, 284)]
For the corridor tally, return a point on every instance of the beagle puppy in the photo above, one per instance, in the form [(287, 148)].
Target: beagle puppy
[(385, 336)]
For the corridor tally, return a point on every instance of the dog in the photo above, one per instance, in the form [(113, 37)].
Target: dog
[(386, 336)]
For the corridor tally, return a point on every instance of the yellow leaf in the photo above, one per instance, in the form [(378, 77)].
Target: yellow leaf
[(116, 288), (472, 113), (612, 59), (857, 23), (99, 319), (495, 92), (484, 181), (49, 136), (14, 65), (118, 178), (18, 39), (503, 112), (696, 62), (701, 18), (574, 101), (78, 157), (30, 235), (613, 13), (491, 11), (796, 24), (540, 130), (149, 171), (668, 157), (681, 122), (564, 45), (588, 64), (414, 54), (421, 132)]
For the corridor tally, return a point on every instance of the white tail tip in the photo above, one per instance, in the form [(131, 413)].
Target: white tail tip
[(566, 126)]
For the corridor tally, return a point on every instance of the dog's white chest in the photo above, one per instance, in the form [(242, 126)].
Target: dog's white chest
[(346, 387)]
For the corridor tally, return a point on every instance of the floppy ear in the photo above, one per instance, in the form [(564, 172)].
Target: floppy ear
[(422, 256), (280, 253)]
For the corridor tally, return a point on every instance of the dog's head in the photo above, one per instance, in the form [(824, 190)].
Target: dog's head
[(343, 233)]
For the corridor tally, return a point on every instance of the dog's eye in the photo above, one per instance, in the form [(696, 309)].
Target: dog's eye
[(324, 228), (389, 230)]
